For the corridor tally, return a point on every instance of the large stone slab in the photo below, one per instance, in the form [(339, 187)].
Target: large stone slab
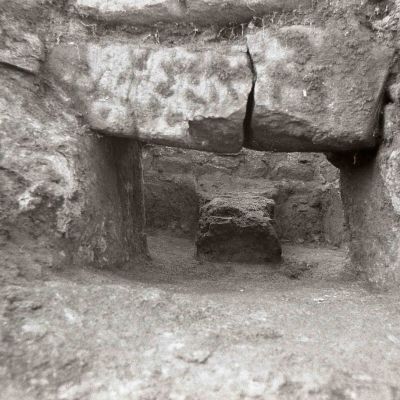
[(239, 228), (200, 12), (181, 96), (318, 88), (370, 184)]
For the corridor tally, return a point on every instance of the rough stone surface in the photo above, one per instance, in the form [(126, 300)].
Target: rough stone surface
[(371, 194), (60, 200), (199, 12), (19, 47), (180, 96), (238, 228), (317, 88)]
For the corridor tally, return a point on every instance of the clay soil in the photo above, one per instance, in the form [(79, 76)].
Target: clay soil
[(175, 328)]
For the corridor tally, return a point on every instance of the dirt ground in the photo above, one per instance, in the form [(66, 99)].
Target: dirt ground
[(175, 328)]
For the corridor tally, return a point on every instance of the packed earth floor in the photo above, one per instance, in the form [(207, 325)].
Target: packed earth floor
[(177, 328)]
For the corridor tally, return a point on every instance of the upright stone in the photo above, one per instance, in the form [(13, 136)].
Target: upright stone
[(181, 96), (238, 228), (67, 197), (370, 184), (317, 88)]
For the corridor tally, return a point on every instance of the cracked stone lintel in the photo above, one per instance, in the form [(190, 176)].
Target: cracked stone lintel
[(289, 90), (183, 96)]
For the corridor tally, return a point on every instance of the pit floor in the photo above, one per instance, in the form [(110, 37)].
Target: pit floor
[(176, 329)]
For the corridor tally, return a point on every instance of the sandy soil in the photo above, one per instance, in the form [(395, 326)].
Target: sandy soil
[(175, 328)]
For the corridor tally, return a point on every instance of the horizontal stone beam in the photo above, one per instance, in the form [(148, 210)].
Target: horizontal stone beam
[(293, 88), (181, 96), (317, 88), (200, 12)]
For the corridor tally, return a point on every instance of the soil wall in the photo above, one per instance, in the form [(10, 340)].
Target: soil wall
[(305, 187)]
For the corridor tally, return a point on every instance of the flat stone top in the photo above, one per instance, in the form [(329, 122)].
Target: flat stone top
[(239, 205), (192, 97)]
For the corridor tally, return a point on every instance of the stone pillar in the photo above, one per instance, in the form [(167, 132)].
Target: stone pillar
[(68, 196), (370, 184), (128, 163)]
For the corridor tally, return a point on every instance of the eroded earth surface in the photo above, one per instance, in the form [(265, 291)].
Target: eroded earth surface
[(175, 328)]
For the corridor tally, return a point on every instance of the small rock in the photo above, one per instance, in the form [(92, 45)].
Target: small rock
[(393, 339), (196, 356), (34, 329), (254, 389)]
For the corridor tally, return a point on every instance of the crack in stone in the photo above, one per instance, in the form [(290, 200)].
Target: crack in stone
[(247, 128)]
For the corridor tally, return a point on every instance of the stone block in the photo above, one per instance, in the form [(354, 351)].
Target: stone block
[(317, 88), (370, 188), (182, 96), (238, 228)]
